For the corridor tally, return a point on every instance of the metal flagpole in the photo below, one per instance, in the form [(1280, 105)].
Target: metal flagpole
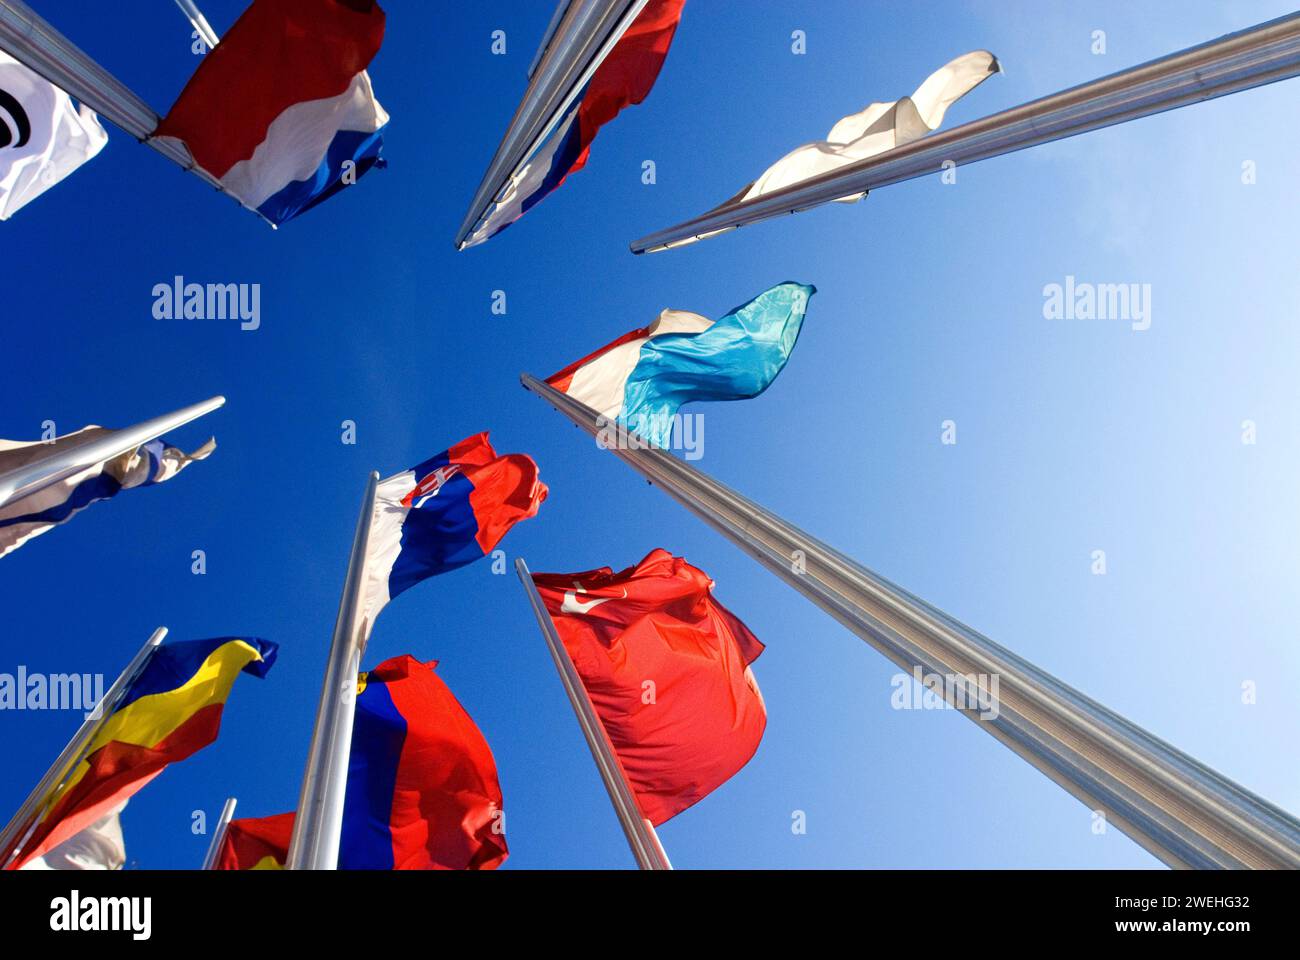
[(43, 49), (199, 22), (316, 828), (574, 49), (25, 820), (219, 834), (64, 461), (1183, 812), (641, 836), (1239, 61)]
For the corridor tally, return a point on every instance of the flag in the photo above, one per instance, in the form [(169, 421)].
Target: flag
[(443, 513), (422, 790), (879, 127), (43, 135), (643, 377), (256, 843), (37, 513), (623, 78), (667, 668), (99, 847), (169, 711), (281, 111)]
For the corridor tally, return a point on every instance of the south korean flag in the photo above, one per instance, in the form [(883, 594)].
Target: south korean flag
[(44, 136)]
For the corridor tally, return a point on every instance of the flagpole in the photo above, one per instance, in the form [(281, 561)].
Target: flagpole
[(199, 22), (1239, 61), (640, 833), (27, 817), (41, 48), (574, 48), (1183, 812), (60, 464), (219, 834), (319, 822)]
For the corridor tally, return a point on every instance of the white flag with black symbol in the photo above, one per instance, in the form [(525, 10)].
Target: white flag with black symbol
[(44, 136)]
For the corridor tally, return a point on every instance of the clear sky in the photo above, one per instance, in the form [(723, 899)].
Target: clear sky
[(1072, 435)]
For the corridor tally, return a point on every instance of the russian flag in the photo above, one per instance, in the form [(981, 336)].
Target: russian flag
[(443, 513), (624, 77), (281, 111), (642, 378), (422, 790)]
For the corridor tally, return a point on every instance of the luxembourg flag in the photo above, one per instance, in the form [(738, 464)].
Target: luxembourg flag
[(642, 378), (281, 111), (623, 78), (443, 513)]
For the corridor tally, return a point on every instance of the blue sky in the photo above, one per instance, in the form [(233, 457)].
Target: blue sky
[(1073, 435)]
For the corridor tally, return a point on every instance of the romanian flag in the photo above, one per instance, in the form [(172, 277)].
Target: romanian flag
[(667, 668), (169, 711), (422, 791)]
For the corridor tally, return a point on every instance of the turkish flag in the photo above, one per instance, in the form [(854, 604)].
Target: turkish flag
[(667, 669)]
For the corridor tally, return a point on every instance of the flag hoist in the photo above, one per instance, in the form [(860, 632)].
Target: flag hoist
[(1184, 813), (641, 837), (24, 822), (43, 49), (219, 833), (435, 517), (1239, 61), (580, 37)]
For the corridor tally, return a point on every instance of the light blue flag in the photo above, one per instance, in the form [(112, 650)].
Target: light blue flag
[(735, 358)]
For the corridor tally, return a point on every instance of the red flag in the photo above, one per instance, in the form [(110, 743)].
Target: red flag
[(256, 843), (667, 669), (422, 790)]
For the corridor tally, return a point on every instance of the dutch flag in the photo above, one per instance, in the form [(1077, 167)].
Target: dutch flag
[(281, 111)]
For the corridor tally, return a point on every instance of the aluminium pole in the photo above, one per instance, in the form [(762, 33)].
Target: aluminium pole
[(1180, 810), (1239, 61), (26, 818), (219, 834), (318, 824), (641, 836), (64, 461), (584, 36)]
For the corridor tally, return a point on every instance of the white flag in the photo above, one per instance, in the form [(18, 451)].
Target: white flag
[(43, 135), (99, 847), (880, 127), (32, 515)]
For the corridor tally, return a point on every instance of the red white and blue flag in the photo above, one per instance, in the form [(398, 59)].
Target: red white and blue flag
[(624, 77), (281, 111), (443, 513), (422, 791)]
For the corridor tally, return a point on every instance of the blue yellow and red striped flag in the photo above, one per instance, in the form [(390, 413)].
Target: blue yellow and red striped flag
[(169, 711)]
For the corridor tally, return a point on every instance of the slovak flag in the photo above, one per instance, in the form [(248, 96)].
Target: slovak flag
[(667, 668), (623, 78), (443, 513), (281, 111), (642, 378)]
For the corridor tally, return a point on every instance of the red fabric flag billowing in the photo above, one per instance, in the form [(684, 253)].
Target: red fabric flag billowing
[(422, 790), (667, 669), (256, 843)]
